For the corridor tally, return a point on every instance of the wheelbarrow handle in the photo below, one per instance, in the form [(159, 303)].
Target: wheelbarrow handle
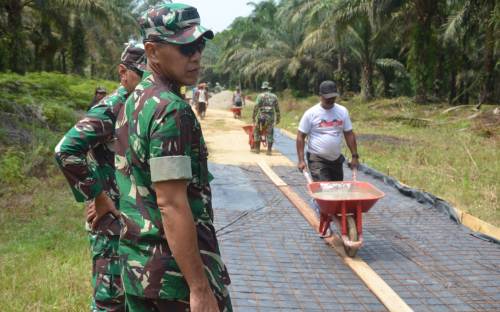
[(307, 175), (354, 174)]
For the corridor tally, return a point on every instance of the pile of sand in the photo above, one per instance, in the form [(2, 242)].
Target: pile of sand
[(221, 100)]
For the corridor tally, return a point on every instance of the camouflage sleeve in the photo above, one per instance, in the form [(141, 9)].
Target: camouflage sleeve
[(170, 143), (256, 107), (71, 152)]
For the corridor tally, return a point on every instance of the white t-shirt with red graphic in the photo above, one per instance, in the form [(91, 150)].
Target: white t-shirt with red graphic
[(325, 130)]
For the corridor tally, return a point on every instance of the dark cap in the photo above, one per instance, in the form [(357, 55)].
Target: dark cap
[(328, 89)]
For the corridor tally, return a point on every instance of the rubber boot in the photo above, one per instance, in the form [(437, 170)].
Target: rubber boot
[(269, 149)]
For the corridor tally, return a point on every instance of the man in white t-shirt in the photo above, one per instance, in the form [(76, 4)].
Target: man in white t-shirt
[(201, 100), (325, 125)]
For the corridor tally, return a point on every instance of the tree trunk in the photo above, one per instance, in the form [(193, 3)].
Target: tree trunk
[(340, 72), (64, 68), (50, 47), (78, 47), (488, 86), (438, 84), (422, 53), (16, 43), (453, 86), (386, 82), (367, 90)]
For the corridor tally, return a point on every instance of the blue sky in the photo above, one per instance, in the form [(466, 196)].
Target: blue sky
[(218, 14)]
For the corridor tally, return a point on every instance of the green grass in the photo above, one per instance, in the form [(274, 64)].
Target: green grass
[(453, 155), (49, 88), (44, 252), (45, 263)]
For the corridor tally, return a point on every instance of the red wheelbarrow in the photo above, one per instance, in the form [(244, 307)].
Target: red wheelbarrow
[(249, 130), (344, 203), (236, 112)]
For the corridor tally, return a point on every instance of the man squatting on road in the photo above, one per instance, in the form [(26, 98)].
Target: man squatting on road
[(85, 155), (170, 253)]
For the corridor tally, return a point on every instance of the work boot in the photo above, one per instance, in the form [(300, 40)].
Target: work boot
[(269, 149)]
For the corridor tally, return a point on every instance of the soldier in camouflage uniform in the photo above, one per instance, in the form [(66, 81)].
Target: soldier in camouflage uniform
[(86, 157), (168, 243), (264, 114), (99, 94)]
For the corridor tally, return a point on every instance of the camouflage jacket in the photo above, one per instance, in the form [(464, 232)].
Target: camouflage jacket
[(267, 104), (86, 153), (160, 139)]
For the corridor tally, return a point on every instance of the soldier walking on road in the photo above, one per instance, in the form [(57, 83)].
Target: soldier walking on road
[(86, 157), (169, 247), (265, 114)]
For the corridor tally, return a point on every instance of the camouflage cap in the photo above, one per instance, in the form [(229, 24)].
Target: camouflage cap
[(133, 56), (266, 85), (176, 23), (100, 89)]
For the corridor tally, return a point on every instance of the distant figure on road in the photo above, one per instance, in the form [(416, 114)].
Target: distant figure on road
[(100, 93), (238, 98), (324, 124), (265, 114), (218, 88), (201, 100), (238, 101)]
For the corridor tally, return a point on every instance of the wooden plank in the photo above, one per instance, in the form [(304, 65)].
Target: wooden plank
[(271, 174), (389, 298), (301, 206), (480, 226)]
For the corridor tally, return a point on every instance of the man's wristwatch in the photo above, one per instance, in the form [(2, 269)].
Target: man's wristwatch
[(355, 156)]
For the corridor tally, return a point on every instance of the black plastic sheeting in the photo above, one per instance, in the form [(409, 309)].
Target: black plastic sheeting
[(286, 146)]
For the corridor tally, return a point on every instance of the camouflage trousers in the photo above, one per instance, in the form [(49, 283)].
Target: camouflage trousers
[(108, 292), (140, 304), (264, 127)]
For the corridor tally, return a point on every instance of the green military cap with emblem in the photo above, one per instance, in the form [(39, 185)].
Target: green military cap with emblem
[(175, 23)]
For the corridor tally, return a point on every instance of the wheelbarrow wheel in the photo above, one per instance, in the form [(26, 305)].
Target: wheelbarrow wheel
[(352, 232)]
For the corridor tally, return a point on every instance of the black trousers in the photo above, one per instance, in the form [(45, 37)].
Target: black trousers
[(325, 170)]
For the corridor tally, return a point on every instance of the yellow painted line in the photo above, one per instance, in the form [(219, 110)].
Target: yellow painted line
[(389, 298)]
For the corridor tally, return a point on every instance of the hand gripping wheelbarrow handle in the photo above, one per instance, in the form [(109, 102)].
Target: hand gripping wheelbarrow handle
[(354, 174), (307, 175)]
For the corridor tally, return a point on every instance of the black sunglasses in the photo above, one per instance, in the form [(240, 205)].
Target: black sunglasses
[(190, 49), (187, 50)]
